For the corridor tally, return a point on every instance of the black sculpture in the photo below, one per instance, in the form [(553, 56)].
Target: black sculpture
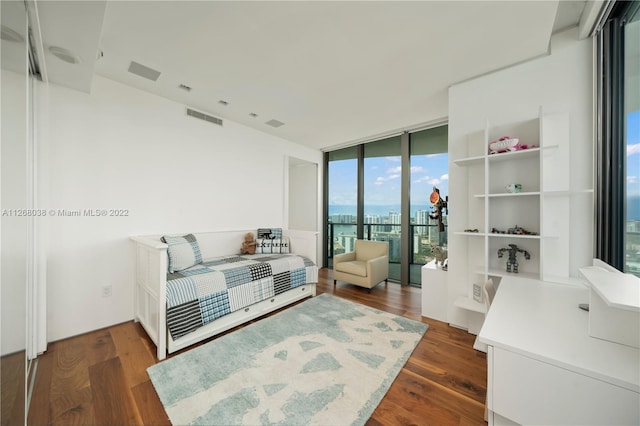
[(512, 261), (439, 206)]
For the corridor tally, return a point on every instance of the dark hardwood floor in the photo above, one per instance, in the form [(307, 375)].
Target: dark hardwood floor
[(12, 385), (100, 377)]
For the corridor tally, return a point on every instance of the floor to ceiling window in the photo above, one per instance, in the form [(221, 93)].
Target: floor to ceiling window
[(618, 148), (373, 209), (632, 136)]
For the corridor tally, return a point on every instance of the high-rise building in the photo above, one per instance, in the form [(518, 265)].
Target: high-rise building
[(394, 218), (422, 218), (343, 218), (347, 242), (373, 219), (392, 222)]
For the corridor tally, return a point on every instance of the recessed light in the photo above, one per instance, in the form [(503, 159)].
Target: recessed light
[(274, 123), (223, 102), (64, 55), (253, 114)]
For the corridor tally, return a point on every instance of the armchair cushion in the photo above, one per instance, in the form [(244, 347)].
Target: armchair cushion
[(344, 257), (366, 250), (355, 267)]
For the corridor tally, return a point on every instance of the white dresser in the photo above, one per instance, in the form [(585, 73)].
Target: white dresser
[(543, 366)]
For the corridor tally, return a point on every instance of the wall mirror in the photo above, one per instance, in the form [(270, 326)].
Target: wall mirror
[(14, 80)]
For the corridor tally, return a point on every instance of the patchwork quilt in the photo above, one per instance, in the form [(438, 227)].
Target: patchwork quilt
[(216, 287)]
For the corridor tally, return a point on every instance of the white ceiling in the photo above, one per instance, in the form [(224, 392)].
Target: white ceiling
[(333, 72)]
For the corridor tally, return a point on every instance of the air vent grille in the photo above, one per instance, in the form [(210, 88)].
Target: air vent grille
[(143, 71), (205, 117)]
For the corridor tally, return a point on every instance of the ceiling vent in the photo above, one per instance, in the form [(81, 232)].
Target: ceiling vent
[(143, 71), (205, 117)]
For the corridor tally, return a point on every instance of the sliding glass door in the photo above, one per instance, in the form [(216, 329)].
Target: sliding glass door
[(382, 187), (429, 172), (381, 191)]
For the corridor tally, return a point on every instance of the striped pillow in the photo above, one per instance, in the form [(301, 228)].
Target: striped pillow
[(284, 245), (183, 251)]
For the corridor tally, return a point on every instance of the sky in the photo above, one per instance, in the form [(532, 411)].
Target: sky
[(633, 154), (382, 180)]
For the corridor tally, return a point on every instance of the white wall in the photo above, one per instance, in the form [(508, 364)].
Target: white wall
[(560, 82), (121, 148)]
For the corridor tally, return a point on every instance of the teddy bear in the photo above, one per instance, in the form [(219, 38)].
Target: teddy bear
[(249, 244)]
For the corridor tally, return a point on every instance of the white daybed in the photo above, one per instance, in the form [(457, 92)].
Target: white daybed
[(151, 268)]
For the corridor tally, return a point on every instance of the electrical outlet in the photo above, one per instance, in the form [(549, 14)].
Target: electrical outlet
[(106, 291)]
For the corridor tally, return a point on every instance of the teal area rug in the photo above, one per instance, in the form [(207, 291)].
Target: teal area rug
[(326, 361)]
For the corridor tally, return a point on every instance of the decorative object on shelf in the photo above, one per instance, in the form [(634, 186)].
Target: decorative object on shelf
[(477, 293), (441, 255), (504, 144), (471, 230), (507, 144), (513, 252), (513, 188), (439, 205), (516, 230)]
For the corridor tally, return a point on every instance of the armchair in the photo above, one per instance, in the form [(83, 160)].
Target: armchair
[(366, 266)]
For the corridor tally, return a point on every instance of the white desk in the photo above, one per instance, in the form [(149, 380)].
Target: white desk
[(614, 304), (544, 368)]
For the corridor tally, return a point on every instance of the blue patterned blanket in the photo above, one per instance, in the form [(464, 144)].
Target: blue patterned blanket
[(219, 286)]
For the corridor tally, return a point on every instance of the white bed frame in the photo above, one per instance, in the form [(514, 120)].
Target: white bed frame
[(151, 290)]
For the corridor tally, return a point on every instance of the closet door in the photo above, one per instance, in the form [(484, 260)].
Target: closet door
[(14, 227)]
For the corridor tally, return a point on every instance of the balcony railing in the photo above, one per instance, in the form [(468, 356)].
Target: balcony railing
[(422, 238)]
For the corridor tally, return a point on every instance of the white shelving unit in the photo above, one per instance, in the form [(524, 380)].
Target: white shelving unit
[(542, 207)]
